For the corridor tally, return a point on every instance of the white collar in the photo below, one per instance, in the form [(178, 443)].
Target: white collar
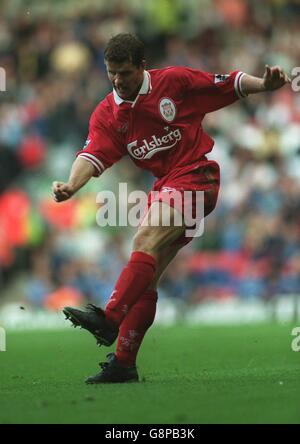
[(145, 89)]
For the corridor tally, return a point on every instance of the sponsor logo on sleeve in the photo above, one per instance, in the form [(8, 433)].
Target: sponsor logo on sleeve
[(86, 144), (221, 77)]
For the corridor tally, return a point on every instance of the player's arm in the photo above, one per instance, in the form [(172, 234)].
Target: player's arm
[(274, 78), (80, 174)]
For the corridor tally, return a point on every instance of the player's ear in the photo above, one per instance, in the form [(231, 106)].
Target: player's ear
[(143, 64)]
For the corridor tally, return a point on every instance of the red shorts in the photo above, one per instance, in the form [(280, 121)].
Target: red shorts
[(206, 178)]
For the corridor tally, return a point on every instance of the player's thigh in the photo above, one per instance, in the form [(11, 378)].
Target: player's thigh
[(161, 226), (162, 214)]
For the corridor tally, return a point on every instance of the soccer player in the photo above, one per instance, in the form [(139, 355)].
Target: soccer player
[(154, 117)]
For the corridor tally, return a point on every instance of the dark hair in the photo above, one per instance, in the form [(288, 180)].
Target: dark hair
[(125, 48)]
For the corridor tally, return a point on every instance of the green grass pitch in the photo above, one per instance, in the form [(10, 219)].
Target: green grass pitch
[(239, 374)]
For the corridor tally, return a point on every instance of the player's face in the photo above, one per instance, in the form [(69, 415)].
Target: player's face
[(126, 78)]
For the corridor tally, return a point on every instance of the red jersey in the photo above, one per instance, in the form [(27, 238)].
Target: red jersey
[(161, 130)]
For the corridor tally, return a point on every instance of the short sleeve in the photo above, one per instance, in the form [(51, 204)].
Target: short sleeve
[(103, 146), (211, 91)]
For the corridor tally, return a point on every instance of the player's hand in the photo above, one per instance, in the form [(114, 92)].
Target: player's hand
[(61, 191), (274, 78)]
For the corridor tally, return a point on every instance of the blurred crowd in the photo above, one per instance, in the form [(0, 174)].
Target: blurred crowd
[(52, 53)]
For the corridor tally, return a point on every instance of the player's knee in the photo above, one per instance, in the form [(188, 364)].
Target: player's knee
[(143, 241), (149, 240), (154, 241)]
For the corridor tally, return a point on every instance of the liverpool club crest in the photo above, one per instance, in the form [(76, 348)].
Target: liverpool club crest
[(167, 109)]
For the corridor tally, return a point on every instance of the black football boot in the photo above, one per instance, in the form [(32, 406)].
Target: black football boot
[(113, 372), (93, 320)]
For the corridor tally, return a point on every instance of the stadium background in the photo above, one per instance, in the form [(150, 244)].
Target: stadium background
[(246, 269), (52, 255)]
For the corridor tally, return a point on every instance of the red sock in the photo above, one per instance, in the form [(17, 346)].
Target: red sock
[(134, 327), (133, 281)]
